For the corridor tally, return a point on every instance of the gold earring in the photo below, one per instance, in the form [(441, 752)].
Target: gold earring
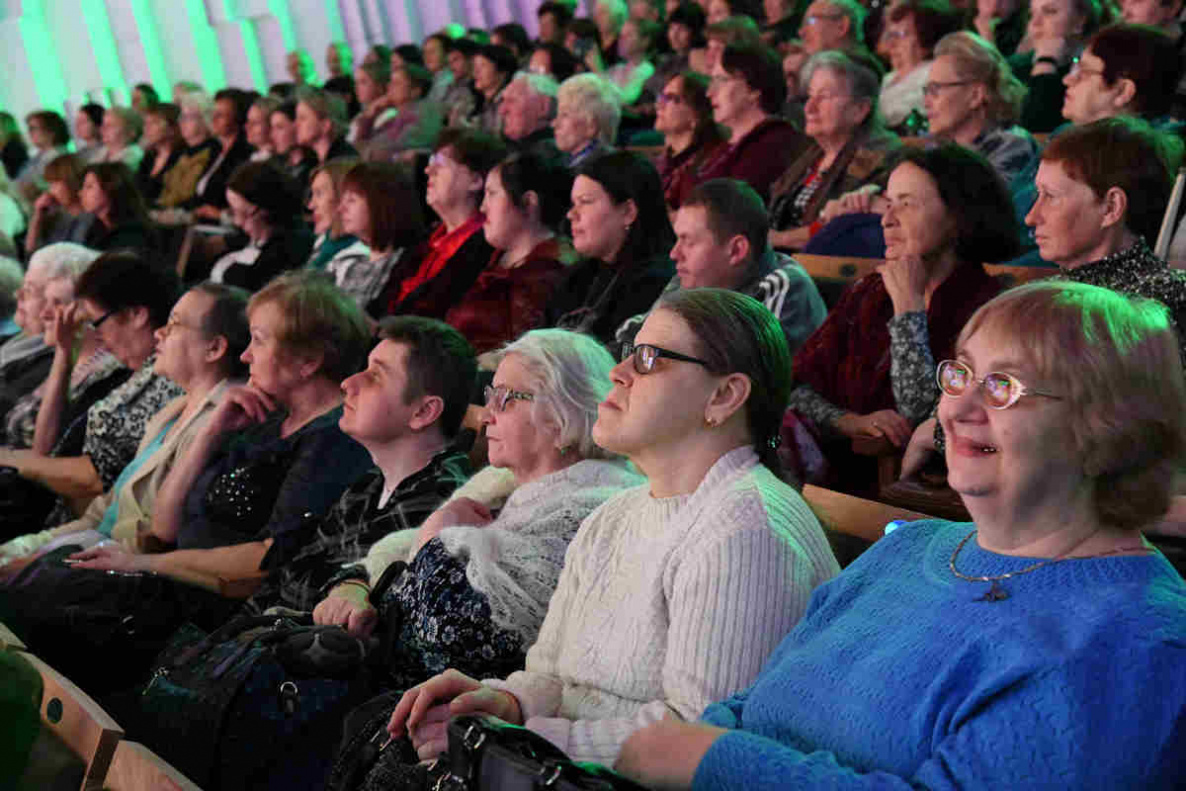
[(711, 421)]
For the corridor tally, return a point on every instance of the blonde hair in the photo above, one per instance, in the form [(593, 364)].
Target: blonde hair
[(1116, 364), (596, 99), (976, 60)]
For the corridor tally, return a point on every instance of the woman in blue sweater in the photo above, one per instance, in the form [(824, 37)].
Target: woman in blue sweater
[(1039, 648)]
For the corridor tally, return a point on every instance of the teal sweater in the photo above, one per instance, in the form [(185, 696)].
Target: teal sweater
[(898, 678)]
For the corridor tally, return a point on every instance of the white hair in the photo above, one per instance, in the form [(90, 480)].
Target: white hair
[(597, 99), (570, 374), (198, 100), (61, 259), (540, 85)]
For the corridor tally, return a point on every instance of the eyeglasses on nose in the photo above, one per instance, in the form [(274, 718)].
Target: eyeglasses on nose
[(1000, 390), (646, 355), (497, 398)]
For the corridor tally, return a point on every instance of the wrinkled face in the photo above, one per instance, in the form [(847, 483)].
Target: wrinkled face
[(1089, 97), (522, 111), (1016, 457), (599, 226), (1149, 12), (1067, 218), (917, 221), (273, 369), (355, 214), (308, 125), (679, 36), (93, 198), (515, 439), (646, 415), (450, 183), (193, 126), (572, 127), (84, 127), (731, 96), (824, 27), (700, 260), (505, 222), (58, 293), (283, 133), (458, 64), (950, 105), (434, 55), (323, 203), (375, 410), (30, 302), (113, 132), (183, 350), (257, 130), (831, 112), (673, 114), (1053, 19)]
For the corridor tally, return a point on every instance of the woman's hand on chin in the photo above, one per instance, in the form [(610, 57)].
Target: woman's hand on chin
[(905, 277), (665, 755), (883, 423), (423, 713), (241, 406)]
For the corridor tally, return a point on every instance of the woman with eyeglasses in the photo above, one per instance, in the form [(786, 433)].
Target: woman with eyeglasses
[(1039, 647), (848, 147), (265, 203), (683, 113), (867, 372), (431, 281), (674, 593), (123, 298), (911, 32)]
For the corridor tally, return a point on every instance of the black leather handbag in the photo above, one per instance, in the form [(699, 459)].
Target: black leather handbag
[(487, 754)]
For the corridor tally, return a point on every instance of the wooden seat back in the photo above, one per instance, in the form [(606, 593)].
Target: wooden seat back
[(137, 768)]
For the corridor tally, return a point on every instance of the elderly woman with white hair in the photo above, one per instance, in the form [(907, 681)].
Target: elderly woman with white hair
[(120, 130), (588, 111), (79, 363), (181, 180)]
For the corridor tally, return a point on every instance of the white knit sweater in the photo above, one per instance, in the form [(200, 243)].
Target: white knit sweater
[(666, 605)]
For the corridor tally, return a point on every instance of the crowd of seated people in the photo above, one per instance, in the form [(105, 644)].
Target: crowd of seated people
[(483, 354)]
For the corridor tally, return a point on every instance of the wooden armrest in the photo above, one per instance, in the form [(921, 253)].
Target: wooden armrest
[(874, 446), (9, 641), (241, 587)]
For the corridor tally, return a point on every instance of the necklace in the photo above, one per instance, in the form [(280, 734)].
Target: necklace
[(995, 592)]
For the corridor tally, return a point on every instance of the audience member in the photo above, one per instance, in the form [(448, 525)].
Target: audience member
[(747, 90), (1002, 23), (417, 122), (11, 275), (514, 37), (163, 148), (13, 151), (197, 349), (333, 248), (456, 251), (121, 219), (195, 122), (300, 68), (12, 216), (524, 205), (321, 125), (370, 83), (553, 20), (684, 114), (636, 43), (338, 59), (1057, 32), (297, 160), (87, 137), (462, 100), (554, 61), (609, 16), (868, 371), (493, 67), (1123, 70), (527, 109), (379, 207), (734, 31), (125, 298), (720, 242), (266, 205), (258, 130), (783, 18), (58, 215), (838, 24), (913, 29), (620, 228), (1061, 461), (50, 137), (663, 563), (685, 34), (437, 62), (588, 111), (121, 129), (849, 147), (226, 125)]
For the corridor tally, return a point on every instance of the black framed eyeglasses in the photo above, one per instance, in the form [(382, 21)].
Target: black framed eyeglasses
[(1000, 390), (97, 323), (646, 355), (497, 398)]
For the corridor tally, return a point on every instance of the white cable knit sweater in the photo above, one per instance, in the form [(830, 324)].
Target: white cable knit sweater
[(666, 605)]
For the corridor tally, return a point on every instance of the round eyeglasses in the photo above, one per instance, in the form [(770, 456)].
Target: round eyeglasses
[(497, 398), (1000, 390), (646, 355)]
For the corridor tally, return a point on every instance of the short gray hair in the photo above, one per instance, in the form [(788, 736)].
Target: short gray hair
[(570, 373), (856, 14), (200, 101), (862, 82), (976, 60), (62, 259), (540, 85), (598, 99)]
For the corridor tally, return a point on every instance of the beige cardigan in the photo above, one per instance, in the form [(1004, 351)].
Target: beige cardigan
[(138, 494)]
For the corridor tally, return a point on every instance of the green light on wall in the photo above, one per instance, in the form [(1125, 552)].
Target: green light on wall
[(39, 46), (104, 46)]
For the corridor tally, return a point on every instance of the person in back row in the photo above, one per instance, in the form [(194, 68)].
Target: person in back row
[(720, 242)]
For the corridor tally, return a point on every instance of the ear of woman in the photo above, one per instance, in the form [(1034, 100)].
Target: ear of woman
[(727, 398)]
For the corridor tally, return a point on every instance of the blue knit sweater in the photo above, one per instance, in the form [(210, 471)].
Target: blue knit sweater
[(898, 678)]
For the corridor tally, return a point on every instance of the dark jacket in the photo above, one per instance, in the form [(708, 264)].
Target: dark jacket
[(597, 297), (213, 191)]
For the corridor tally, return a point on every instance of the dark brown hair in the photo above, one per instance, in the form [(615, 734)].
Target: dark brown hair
[(392, 204)]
